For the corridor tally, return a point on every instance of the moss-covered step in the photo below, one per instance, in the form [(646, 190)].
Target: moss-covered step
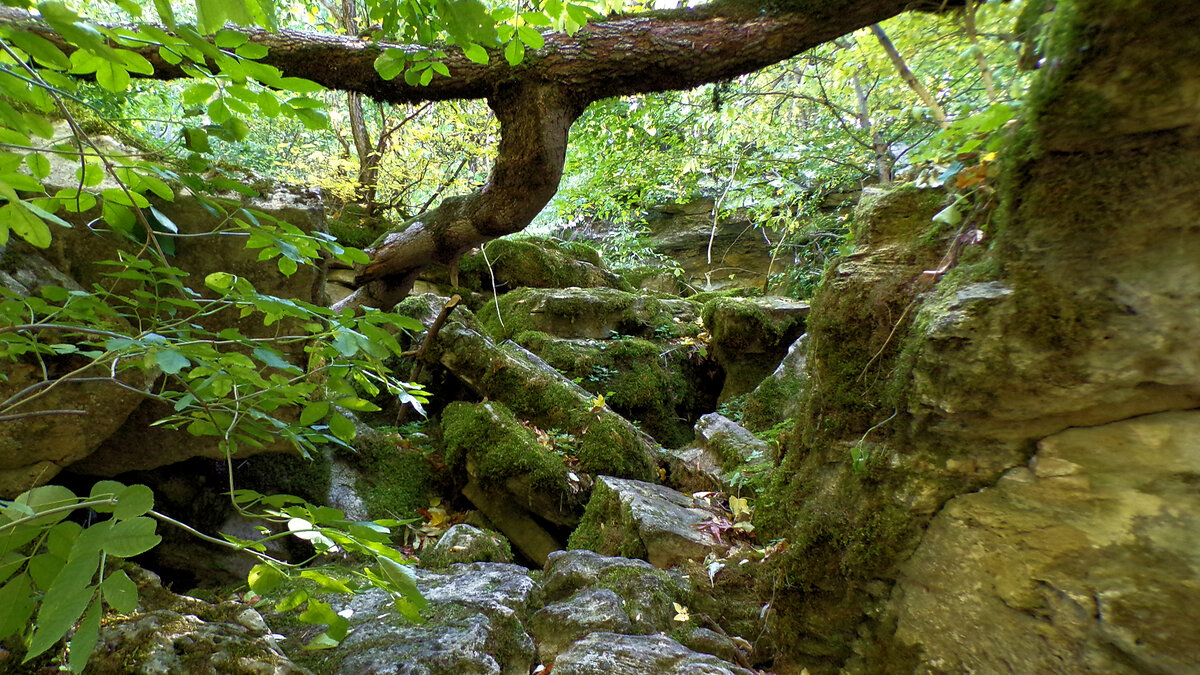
[(639, 655), (604, 442), (636, 519), (750, 336), (596, 313), (465, 544)]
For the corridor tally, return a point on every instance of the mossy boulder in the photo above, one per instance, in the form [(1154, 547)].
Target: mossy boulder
[(636, 519), (777, 398), (750, 336), (639, 655), (663, 385), (722, 450), (604, 442), (594, 313), (498, 452), (466, 544), (535, 262)]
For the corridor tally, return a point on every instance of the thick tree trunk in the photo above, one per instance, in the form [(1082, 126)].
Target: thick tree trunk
[(537, 101)]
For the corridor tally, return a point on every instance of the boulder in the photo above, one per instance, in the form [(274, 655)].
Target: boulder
[(474, 626), (34, 448), (595, 313), (646, 593), (173, 634), (606, 653), (534, 262), (642, 520), (605, 442), (721, 448), (555, 626), (1084, 562), (750, 336), (777, 398), (663, 385), (467, 544)]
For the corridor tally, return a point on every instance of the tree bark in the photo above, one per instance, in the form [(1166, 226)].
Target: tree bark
[(906, 74), (537, 101)]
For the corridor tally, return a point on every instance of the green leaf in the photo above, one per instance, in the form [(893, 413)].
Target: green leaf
[(476, 53), (342, 427), (530, 37), (131, 537), (16, 599), (196, 140), (63, 604), (327, 582), (171, 361), (536, 19), (112, 76), (402, 577), (38, 165), (390, 63), (228, 39), (120, 592), (165, 13), (38, 500), (514, 52), (27, 226), (133, 501), (314, 412), (263, 579), (83, 643), (197, 94), (252, 50), (41, 49)]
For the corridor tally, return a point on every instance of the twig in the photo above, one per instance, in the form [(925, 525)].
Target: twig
[(887, 341)]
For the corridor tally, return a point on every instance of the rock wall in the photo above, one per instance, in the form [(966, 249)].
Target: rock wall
[(1043, 370)]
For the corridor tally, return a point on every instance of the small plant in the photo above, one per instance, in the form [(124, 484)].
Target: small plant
[(602, 373)]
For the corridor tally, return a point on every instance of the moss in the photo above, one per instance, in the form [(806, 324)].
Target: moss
[(701, 299), (490, 440), (305, 477), (535, 262), (557, 311), (771, 402), (607, 528), (395, 478), (661, 392), (354, 228), (737, 325)]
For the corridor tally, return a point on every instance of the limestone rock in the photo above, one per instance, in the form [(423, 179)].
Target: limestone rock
[(663, 384), (750, 336), (475, 626), (721, 446), (643, 520), (34, 449), (171, 634), (467, 544), (534, 262), (539, 394), (1088, 563), (646, 593), (606, 653), (595, 313), (777, 397), (554, 627)]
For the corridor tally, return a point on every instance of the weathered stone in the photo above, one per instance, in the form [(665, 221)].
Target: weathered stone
[(663, 385), (595, 313), (534, 262), (1044, 575), (79, 252), (777, 398), (750, 336), (171, 634), (466, 544), (535, 392), (556, 626), (646, 592), (607, 653), (474, 626), (35, 448), (642, 520), (721, 446), (530, 538), (501, 455)]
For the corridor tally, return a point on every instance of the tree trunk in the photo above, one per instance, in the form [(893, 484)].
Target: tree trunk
[(935, 108), (537, 101)]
